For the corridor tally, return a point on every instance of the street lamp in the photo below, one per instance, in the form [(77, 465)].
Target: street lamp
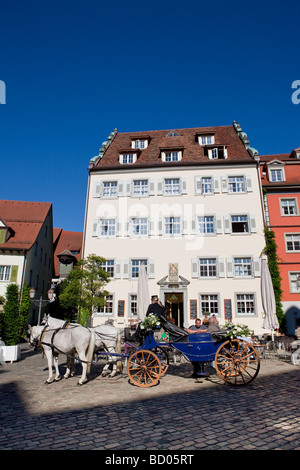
[(40, 302)]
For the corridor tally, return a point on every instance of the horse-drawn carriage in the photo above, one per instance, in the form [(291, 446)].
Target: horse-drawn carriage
[(235, 360)]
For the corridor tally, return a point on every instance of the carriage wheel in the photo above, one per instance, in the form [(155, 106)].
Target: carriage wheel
[(144, 368), (163, 358), (237, 362)]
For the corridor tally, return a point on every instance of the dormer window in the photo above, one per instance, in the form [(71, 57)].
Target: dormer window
[(276, 172), (276, 175), (215, 153), (171, 155), (173, 134), (127, 158), (5, 232), (206, 139), (140, 144)]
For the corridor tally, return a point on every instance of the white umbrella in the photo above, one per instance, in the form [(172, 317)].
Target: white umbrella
[(142, 293), (268, 298)]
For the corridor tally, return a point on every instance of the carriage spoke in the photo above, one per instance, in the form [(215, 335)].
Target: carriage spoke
[(237, 362), (144, 368)]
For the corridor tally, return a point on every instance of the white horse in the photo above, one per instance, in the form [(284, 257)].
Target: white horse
[(65, 341), (107, 337)]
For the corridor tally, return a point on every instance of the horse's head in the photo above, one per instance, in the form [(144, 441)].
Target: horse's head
[(45, 320), (34, 333)]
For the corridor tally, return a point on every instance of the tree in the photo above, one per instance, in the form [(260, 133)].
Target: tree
[(15, 313), (11, 317), (25, 304), (84, 286)]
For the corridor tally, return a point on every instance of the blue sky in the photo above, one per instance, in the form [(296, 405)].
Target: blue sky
[(76, 70)]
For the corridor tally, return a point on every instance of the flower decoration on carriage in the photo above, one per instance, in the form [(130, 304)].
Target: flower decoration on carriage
[(152, 321), (234, 331)]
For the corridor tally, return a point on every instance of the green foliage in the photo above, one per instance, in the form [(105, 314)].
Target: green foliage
[(11, 317), (15, 314), (25, 304), (271, 252), (84, 286)]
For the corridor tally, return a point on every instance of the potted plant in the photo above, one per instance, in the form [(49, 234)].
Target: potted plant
[(11, 325)]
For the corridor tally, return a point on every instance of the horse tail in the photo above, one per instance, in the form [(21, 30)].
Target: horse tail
[(118, 351), (90, 350)]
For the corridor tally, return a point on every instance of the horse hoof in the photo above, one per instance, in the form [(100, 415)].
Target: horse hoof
[(48, 382), (57, 379)]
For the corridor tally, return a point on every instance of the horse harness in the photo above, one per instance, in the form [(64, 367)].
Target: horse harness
[(51, 345)]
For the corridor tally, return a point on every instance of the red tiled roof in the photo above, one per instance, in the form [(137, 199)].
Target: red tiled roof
[(193, 153), (25, 219), (291, 169), (64, 240), (281, 157)]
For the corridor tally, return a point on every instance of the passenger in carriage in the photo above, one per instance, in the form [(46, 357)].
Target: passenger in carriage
[(213, 325), (197, 328)]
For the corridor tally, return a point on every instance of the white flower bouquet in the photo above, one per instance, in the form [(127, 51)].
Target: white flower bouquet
[(151, 322), (234, 331)]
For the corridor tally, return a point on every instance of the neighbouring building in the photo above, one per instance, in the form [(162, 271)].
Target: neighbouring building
[(186, 203), (26, 247), (280, 176), (67, 250)]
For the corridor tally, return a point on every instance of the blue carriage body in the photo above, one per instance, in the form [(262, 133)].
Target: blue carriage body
[(197, 347)]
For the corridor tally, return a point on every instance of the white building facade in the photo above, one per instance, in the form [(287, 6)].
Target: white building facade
[(188, 205)]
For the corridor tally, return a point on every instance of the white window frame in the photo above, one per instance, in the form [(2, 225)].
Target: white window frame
[(205, 221), (236, 185), (292, 282), (247, 302), (276, 175), (212, 301), (109, 189), (134, 263), (140, 188), (291, 205), (172, 226), (172, 187), (213, 153), (171, 155), (245, 222), (244, 265), (132, 305), (251, 222), (139, 144), (200, 185), (206, 139), (110, 228), (141, 223), (127, 158), (109, 267), (208, 264), (5, 273), (220, 267), (292, 238), (108, 309)]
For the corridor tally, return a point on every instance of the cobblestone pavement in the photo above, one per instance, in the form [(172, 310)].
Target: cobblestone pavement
[(179, 414)]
